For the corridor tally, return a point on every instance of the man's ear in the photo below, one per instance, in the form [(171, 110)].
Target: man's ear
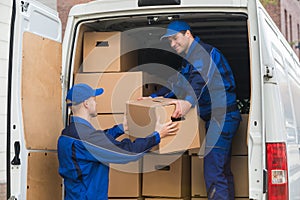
[(188, 33), (85, 103)]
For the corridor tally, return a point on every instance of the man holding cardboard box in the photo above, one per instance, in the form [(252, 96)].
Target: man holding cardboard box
[(84, 152), (206, 80)]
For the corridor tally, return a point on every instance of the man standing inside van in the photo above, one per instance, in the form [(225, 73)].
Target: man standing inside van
[(206, 80), (84, 153)]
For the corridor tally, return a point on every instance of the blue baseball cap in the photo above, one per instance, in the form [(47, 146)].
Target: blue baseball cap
[(174, 27), (81, 92)]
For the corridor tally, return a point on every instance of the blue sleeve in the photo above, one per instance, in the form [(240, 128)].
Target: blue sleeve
[(139, 144), (115, 131), (107, 141), (198, 83), (163, 91)]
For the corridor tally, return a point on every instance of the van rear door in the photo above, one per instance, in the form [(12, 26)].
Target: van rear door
[(35, 102)]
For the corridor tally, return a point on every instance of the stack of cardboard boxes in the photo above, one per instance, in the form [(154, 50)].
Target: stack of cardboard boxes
[(166, 172), (239, 166), (106, 64)]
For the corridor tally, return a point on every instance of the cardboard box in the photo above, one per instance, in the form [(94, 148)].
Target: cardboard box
[(139, 198), (196, 198), (151, 83), (106, 121), (118, 89), (108, 52), (150, 88), (185, 198), (166, 175), (197, 177), (239, 141), (143, 115), (125, 180), (239, 168)]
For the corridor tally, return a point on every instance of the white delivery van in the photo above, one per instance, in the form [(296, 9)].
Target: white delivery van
[(37, 69)]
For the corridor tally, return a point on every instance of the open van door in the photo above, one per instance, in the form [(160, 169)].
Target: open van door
[(34, 102)]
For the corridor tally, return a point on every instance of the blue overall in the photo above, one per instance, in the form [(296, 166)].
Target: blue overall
[(85, 153), (206, 80)]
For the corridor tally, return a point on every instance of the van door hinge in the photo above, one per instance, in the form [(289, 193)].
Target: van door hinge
[(24, 6), (268, 72)]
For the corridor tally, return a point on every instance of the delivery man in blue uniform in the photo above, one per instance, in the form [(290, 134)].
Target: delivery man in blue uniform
[(84, 152), (205, 80)]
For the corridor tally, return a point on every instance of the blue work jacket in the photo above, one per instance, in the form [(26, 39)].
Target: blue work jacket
[(84, 154), (206, 80)]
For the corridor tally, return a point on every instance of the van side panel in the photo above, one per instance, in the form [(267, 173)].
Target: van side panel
[(5, 17), (281, 92)]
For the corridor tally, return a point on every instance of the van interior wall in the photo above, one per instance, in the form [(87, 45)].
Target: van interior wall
[(227, 32)]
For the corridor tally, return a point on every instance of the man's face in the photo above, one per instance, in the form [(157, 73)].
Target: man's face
[(179, 42)]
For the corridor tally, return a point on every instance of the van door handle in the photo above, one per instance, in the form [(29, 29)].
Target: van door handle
[(16, 160)]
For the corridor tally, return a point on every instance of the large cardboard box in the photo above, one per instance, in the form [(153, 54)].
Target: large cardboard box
[(108, 52), (125, 180), (143, 115), (166, 175), (185, 198), (152, 83), (239, 168), (197, 177), (106, 121), (196, 198), (239, 141), (118, 89), (138, 198)]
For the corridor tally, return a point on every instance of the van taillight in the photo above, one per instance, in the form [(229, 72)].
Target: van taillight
[(277, 171)]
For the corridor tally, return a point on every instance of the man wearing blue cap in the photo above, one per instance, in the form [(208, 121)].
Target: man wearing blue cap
[(84, 152), (206, 80)]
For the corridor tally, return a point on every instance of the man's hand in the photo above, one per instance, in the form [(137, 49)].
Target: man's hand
[(166, 129), (182, 107), (142, 98), (125, 126)]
